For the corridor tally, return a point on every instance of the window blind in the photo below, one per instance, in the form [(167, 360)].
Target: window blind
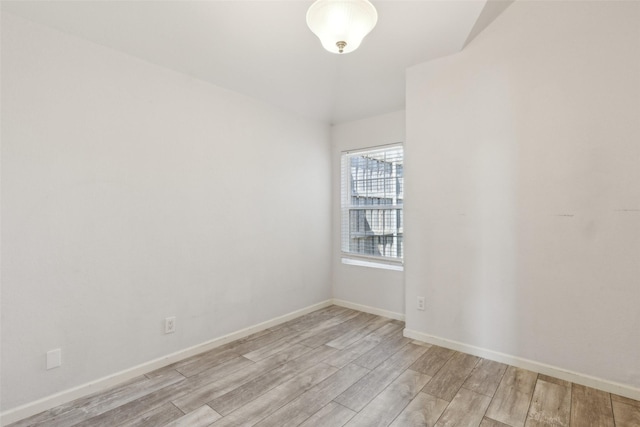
[(372, 193)]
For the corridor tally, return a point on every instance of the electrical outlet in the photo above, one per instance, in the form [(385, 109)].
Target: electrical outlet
[(170, 325), (420, 305), (54, 358)]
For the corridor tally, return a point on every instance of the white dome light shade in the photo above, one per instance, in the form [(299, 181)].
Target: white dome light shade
[(341, 24)]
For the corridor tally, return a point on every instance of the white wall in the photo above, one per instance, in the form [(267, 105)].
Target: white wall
[(371, 287), (131, 193), (523, 203)]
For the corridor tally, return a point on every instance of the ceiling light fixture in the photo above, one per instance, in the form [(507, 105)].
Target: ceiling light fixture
[(341, 24)]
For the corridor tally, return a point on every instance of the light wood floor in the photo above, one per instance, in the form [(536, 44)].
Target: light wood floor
[(338, 367)]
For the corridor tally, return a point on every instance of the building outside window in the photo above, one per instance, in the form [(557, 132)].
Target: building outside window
[(372, 202)]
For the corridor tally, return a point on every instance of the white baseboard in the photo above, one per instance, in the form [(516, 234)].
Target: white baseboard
[(368, 309), (101, 384), (519, 362), (104, 383)]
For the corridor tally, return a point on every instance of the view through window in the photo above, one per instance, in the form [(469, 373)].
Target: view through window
[(372, 200)]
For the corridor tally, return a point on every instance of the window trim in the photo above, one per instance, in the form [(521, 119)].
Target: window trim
[(375, 262), (351, 258)]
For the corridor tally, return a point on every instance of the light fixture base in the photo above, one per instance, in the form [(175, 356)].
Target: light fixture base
[(341, 24)]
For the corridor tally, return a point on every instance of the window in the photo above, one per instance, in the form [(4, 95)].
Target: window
[(372, 199)]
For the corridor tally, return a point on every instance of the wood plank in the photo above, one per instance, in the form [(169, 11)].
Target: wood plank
[(326, 322), (554, 380), (345, 356), (204, 362), (358, 395), (358, 348), (353, 335), (220, 371), (433, 360), (159, 416), (465, 410), (510, 403), (626, 415), (314, 316), (334, 415), (388, 330), (243, 347), (590, 407), (242, 395), (448, 380), (331, 317), (423, 411), (132, 410), (264, 405), (386, 406), (86, 408), (301, 408), (327, 335), (485, 377), (253, 336), (214, 352), (343, 317), (201, 417), (137, 407), (270, 349), (550, 406), (626, 400), (336, 327), (167, 370), (382, 352), (488, 422), (211, 390)]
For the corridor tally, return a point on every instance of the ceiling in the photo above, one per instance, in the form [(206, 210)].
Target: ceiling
[(264, 49)]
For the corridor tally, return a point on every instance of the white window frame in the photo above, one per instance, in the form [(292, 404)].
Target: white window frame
[(354, 258)]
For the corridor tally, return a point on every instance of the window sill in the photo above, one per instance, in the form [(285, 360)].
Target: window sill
[(372, 264)]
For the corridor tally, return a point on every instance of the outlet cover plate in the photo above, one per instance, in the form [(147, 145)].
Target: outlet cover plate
[(54, 358), (170, 325)]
